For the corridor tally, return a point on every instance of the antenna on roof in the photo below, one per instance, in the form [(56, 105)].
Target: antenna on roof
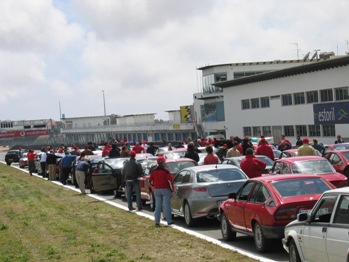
[(306, 56), (297, 49)]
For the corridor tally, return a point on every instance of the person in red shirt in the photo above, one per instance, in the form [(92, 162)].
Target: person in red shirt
[(211, 158), (251, 165), (31, 161), (106, 150), (283, 139), (265, 149), (162, 180), (138, 148)]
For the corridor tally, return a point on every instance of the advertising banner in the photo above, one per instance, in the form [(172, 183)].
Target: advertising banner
[(331, 113), (24, 133)]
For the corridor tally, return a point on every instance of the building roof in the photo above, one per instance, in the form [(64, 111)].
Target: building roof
[(297, 70)]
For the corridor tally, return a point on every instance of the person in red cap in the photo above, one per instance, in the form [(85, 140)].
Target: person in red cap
[(265, 149), (132, 171), (306, 149), (162, 180)]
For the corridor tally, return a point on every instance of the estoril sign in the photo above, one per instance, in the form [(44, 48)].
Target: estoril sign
[(331, 113)]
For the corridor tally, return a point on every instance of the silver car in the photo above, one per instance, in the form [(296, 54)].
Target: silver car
[(199, 190)]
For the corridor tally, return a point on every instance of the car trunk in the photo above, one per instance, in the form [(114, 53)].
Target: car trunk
[(223, 188)]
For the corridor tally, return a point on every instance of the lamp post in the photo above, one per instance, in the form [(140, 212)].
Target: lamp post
[(104, 103)]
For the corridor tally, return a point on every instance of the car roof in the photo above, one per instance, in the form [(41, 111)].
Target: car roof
[(344, 190), (272, 178), (211, 167), (181, 159), (300, 158)]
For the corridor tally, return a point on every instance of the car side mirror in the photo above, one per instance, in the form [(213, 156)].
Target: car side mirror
[(232, 195), (302, 217)]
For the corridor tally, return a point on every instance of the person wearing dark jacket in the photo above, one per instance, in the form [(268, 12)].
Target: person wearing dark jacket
[(152, 149), (251, 165), (246, 144), (132, 171), (51, 162), (114, 152), (66, 163), (191, 153)]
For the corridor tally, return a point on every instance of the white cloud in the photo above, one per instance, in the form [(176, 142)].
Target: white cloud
[(144, 53)]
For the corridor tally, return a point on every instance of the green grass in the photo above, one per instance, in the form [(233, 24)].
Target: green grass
[(40, 221)]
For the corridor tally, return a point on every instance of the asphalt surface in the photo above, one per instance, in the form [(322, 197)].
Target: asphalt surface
[(208, 229)]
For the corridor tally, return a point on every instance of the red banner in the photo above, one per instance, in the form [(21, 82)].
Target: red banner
[(24, 133)]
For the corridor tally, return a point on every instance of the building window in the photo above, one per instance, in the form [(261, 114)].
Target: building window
[(326, 95), (289, 131), (312, 97), (299, 98), (266, 130), (256, 131), (209, 80), (328, 130), (286, 100), (341, 93), (314, 130), (265, 102), (245, 104), (247, 131), (255, 103), (301, 130)]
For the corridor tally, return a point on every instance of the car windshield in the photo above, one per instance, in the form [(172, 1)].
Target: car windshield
[(218, 175), (115, 162), (266, 160), (341, 146), (175, 167), (312, 167), (346, 155), (303, 186)]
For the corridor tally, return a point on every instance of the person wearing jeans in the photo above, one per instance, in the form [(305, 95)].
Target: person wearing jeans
[(132, 171), (162, 180)]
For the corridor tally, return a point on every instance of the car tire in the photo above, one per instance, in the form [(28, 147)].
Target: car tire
[(262, 244), (189, 221), (227, 233), (152, 201), (293, 252), (8, 163)]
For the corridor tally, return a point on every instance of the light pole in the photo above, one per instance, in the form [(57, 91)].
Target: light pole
[(104, 103)]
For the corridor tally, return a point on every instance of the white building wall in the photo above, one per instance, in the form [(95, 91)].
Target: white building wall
[(277, 115)]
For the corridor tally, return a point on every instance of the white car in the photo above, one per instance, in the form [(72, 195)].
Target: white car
[(323, 233)]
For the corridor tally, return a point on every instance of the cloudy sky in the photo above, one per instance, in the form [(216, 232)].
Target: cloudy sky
[(61, 56)]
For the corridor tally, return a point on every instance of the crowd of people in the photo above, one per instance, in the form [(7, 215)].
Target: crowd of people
[(160, 177)]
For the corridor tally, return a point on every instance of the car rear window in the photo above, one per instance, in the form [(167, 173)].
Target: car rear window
[(298, 187), (220, 175), (175, 167)]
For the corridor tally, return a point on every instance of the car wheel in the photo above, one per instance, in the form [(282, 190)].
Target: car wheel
[(261, 243), (187, 216), (152, 201), (293, 252), (8, 163), (227, 233)]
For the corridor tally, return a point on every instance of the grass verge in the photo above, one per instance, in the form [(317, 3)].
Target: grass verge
[(40, 221)]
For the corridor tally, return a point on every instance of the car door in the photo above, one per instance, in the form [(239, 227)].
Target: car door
[(315, 232), (103, 178), (182, 188), (235, 210), (335, 161), (337, 239)]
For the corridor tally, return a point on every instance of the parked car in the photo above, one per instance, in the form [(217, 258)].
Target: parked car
[(339, 159), (13, 156), (198, 190), (94, 159), (173, 165), (265, 205), (342, 146), (322, 234), (176, 153), (315, 165), (236, 161)]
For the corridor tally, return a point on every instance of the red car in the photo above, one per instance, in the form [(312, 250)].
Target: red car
[(315, 165), (339, 159), (331, 147), (174, 165), (263, 206), (293, 152)]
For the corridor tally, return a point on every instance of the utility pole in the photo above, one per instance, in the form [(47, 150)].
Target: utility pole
[(297, 49), (104, 103)]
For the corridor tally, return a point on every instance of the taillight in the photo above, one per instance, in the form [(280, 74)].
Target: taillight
[(286, 214), (200, 189)]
